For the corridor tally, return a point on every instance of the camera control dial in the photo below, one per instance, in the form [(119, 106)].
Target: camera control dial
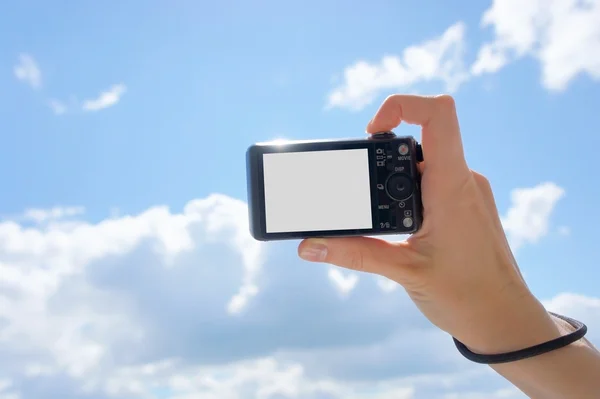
[(399, 186)]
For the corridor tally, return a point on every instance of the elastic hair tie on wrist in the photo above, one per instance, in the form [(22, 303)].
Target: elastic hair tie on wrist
[(581, 330)]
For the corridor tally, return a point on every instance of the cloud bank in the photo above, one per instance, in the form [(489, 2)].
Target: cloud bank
[(187, 305)]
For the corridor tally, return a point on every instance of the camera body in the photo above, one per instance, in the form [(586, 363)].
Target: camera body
[(334, 188)]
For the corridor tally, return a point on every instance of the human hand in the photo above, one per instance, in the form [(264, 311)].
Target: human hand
[(458, 268)]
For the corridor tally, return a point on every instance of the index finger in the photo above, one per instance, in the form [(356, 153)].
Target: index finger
[(441, 138)]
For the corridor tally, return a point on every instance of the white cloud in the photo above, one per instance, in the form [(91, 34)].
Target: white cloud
[(527, 220), (578, 307), (489, 60), (28, 71), (563, 35), (386, 284), (44, 215), (344, 282), (439, 59), (105, 99), (39, 266), (58, 107), (186, 305)]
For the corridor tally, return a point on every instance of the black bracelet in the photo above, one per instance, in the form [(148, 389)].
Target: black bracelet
[(581, 330)]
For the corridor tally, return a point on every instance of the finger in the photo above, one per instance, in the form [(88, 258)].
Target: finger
[(441, 139), (364, 254)]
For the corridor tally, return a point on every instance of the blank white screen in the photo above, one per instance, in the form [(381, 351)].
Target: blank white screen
[(317, 190)]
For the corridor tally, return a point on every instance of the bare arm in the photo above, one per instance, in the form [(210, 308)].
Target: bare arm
[(571, 372)]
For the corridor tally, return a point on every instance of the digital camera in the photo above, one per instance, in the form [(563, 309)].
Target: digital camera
[(334, 188)]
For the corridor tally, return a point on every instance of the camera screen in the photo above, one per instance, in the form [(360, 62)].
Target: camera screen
[(317, 191)]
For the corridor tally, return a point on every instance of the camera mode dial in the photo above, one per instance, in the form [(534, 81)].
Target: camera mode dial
[(382, 136)]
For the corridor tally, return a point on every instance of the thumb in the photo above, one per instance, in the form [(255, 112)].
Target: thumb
[(363, 254)]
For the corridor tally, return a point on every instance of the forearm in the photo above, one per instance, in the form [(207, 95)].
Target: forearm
[(572, 372)]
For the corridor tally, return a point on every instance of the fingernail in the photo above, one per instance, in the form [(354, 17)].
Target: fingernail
[(314, 252)]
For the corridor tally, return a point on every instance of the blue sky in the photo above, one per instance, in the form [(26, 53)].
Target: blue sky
[(110, 113)]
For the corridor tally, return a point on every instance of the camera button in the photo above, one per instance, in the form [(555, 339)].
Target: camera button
[(399, 186), (403, 149), (407, 222)]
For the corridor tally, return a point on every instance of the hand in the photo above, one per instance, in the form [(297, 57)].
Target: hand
[(458, 268)]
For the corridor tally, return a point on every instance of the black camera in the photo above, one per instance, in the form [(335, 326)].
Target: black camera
[(327, 188)]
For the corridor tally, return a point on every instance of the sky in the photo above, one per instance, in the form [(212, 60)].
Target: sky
[(126, 266)]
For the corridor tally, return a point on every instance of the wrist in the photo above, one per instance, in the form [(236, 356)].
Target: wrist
[(519, 323)]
